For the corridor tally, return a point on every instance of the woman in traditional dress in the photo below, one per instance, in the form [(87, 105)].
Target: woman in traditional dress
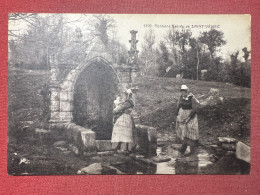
[(123, 130), (187, 121)]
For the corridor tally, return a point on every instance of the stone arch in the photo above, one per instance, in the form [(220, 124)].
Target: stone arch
[(68, 88)]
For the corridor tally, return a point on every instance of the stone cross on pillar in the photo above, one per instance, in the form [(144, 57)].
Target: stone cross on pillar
[(133, 68), (132, 60)]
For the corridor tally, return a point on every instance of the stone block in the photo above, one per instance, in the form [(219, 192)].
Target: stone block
[(88, 138), (111, 170), (146, 139), (103, 145), (60, 143), (229, 146), (65, 116), (106, 153), (54, 89), (55, 106), (99, 169), (76, 150), (82, 138), (91, 154), (66, 106), (44, 136), (71, 76), (227, 140), (55, 96), (243, 152), (66, 96), (55, 116), (158, 159), (67, 85), (93, 169)]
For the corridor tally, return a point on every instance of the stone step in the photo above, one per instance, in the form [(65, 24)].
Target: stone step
[(243, 152)]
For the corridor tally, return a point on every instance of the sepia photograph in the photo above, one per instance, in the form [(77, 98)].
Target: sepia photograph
[(128, 94)]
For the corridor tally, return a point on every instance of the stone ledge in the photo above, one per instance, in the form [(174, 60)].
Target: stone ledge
[(146, 139), (84, 139), (66, 106)]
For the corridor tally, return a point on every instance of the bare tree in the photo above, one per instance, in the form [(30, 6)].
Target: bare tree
[(148, 54)]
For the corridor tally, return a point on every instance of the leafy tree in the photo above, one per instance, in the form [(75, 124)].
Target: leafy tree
[(213, 39), (182, 39), (44, 36), (163, 61), (246, 53)]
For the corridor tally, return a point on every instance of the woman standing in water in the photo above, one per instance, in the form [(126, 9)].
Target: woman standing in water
[(187, 121), (123, 130)]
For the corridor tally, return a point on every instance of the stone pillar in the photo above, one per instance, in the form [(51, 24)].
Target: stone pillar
[(54, 95), (133, 63), (129, 71)]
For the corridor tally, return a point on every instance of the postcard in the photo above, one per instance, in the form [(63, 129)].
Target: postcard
[(113, 94)]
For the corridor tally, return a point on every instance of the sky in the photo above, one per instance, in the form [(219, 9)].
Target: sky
[(236, 28)]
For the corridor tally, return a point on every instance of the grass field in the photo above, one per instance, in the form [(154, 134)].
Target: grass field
[(155, 104)]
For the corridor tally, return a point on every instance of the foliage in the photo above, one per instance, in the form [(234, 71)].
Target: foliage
[(163, 60), (148, 54), (213, 39)]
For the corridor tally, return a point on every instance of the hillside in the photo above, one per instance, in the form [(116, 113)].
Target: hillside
[(155, 104)]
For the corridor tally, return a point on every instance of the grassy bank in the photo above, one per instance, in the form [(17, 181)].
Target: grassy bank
[(155, 104)]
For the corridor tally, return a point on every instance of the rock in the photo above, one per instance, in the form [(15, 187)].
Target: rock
[(61, 148), (103, 145), (213, 158), (42, 131), (243, 152), (159, 159), (136, 156), (139, 156), (160, 144), (74, 149), (96, 158), (81, 137), (124, 152), (66, 152), (227, 140), (108, 169), (145, 161), (146, 139), (227, 143), (213, 98), (98, 169), (219, 151), (176, 146), (229, 146), (88, 138), (214, 92), (93, 169), (214, 146), (44, 136), (106, 153), (60, 143), (230, 153), (89, 154)]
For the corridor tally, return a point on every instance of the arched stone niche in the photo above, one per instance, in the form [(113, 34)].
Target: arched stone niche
[(85, 97), (94, 92)]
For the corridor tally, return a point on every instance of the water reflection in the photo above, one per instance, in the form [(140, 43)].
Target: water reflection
[(166, 167), (137, 167), (184, 165), (199, 163)]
